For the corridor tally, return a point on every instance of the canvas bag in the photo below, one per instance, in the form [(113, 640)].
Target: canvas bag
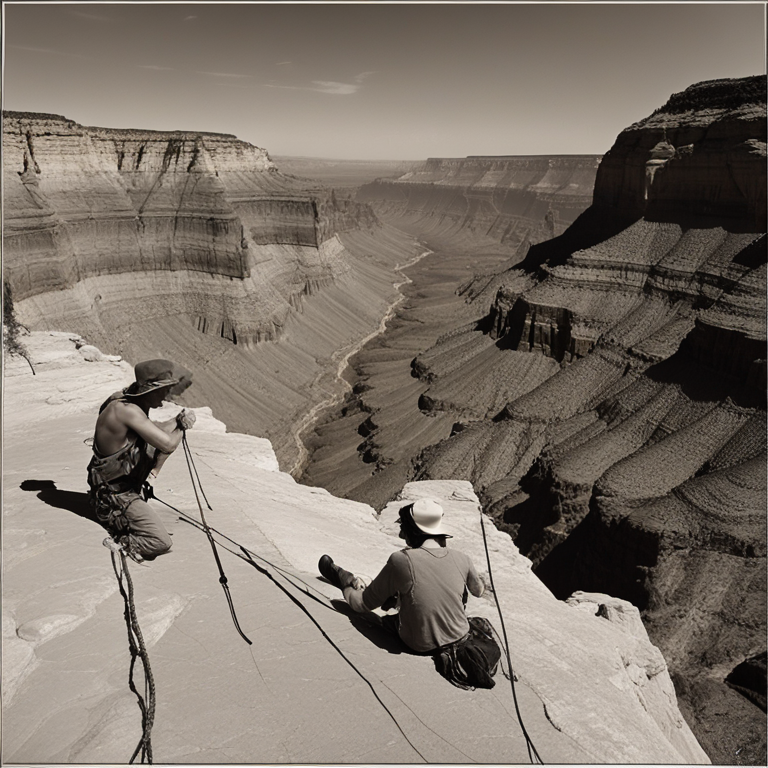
[(472, 661)]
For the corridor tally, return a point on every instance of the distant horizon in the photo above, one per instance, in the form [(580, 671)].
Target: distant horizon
[(372, 81), (301, 157)]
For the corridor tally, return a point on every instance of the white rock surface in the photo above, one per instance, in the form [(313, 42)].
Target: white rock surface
[(590, 690)]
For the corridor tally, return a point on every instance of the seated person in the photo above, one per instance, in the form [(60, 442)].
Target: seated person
[(430, 580)]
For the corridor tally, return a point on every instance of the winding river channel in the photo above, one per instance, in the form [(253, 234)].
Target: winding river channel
[(311, 418)]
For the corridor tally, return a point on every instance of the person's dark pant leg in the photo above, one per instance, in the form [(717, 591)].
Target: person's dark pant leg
[(146, 534)]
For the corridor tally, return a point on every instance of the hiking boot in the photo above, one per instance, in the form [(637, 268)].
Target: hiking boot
[(329, 570), (335, 575), (136, 558)]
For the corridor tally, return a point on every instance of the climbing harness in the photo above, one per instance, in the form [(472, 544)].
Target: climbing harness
[(222, 578), (533, 754), (138, 650)]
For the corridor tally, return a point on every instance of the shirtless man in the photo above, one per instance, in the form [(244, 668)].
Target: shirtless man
[(128, 448)]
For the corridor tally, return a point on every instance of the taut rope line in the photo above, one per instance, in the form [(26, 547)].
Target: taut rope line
[(532, 752), (287, 575), (138, 649), (297, 602), (222, 577), (248, 557)]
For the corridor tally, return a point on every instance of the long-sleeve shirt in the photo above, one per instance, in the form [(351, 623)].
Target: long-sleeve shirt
[(430, 582)]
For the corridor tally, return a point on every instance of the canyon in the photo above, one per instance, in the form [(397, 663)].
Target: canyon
[(317, 685), (195, 247), (477, 215), (579, 340), (604, 393)]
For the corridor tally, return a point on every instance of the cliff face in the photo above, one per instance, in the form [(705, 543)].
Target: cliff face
[(511, 200), (193, 247), (700, 157), (591, 688), (192, 210), (611, 406)]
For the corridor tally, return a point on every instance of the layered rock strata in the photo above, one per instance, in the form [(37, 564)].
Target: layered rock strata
[(476, 215), (199, 210), (619, 429), (591, 688), (510, 200), (193, 246), (697, 158)]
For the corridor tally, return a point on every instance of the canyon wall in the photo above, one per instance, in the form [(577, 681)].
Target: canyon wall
[(194, 211), (620, 434), (510, 200), (696, 159), (193, 246), (317, 685)]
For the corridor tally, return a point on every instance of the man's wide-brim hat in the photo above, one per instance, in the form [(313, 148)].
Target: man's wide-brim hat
[(427, 514), (151, 375)]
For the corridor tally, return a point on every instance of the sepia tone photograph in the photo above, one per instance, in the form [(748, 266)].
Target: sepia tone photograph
[(384, 383)]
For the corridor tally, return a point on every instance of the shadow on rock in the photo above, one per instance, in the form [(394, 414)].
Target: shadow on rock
[(72, 501), (382, 632), (370, 625)]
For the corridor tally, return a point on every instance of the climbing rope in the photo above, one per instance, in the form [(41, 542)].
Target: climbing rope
[(533, 754), (138, 650), (250, 557), (297, 602), (222, 578)]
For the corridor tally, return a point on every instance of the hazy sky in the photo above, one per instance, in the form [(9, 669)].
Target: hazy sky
[(375, 81)]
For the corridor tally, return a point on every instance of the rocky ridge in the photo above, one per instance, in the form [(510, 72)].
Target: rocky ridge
[(90, 203), (195, 247), (591, 687), (511, 200), (610, 408)]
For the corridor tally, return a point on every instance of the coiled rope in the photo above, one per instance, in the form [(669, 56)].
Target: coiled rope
[(138, 650), (533, 754)]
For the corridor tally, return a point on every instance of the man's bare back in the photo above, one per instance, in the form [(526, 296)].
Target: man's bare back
[(121, 421), (122, 464)]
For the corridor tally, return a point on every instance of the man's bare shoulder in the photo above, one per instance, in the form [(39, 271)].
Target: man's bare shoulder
[(128, 412)]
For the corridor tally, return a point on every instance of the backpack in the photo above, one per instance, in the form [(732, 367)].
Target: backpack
[(472, 661)]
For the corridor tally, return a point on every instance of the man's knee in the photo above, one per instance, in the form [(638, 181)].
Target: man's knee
[(161, 545), (354, 598), (149, 550), (148, 533), (164, 544)]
